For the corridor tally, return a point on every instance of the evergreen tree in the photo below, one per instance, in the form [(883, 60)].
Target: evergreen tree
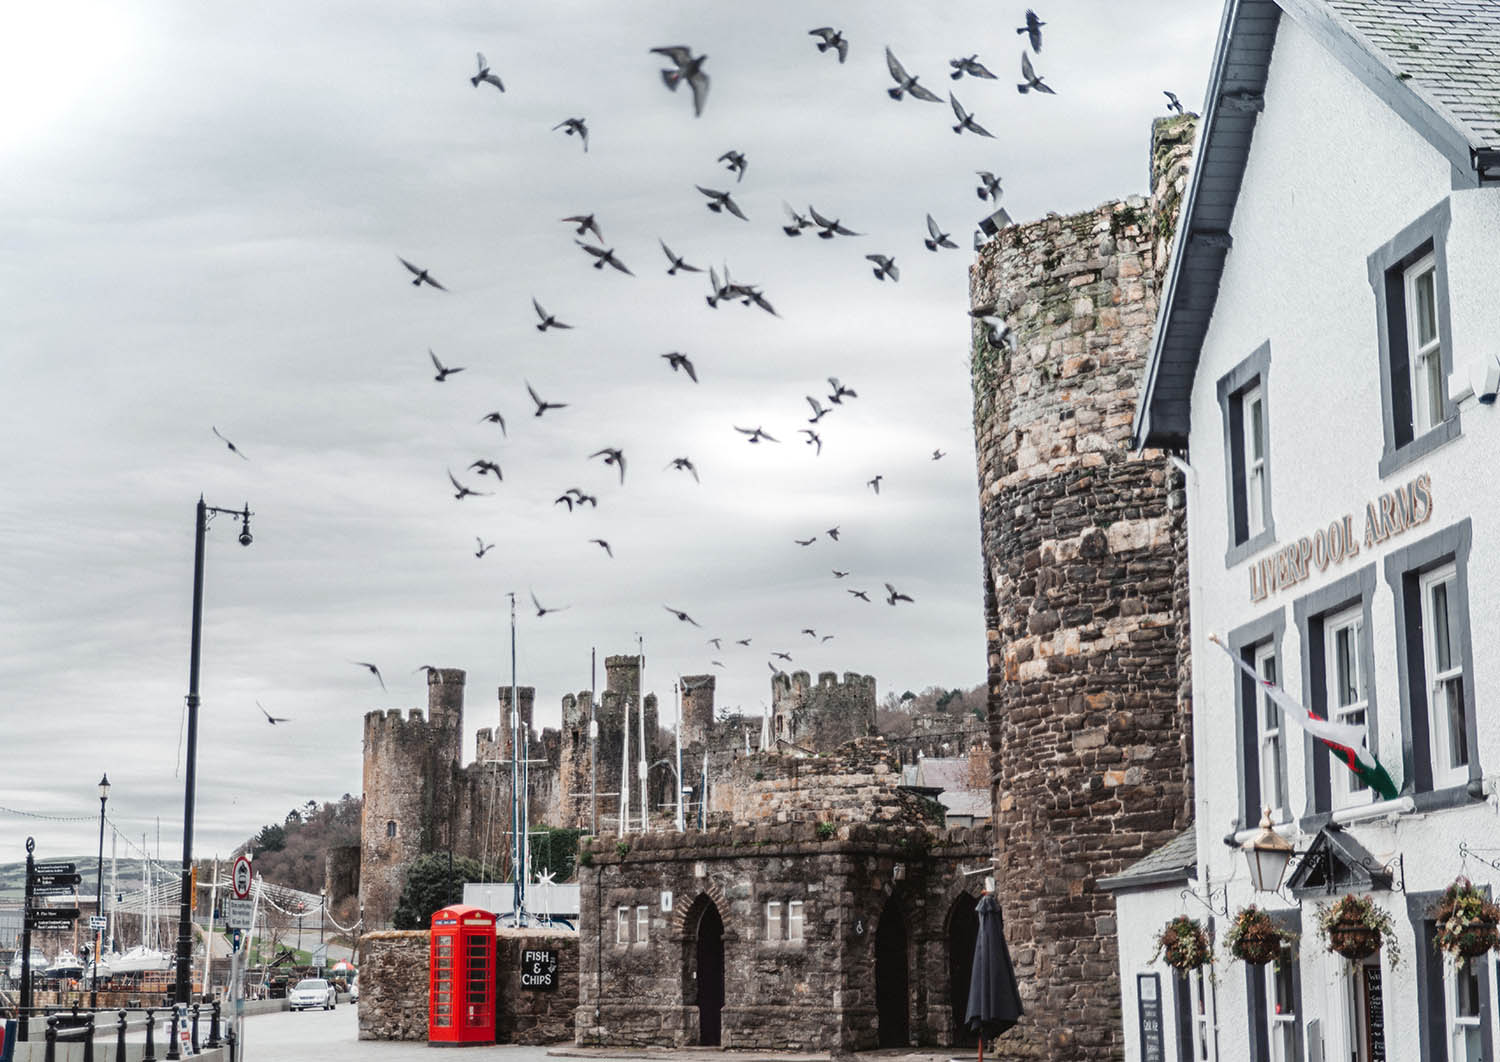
[(432, 885)]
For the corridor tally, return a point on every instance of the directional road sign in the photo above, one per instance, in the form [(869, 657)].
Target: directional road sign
[(53, 890), (54, 868), (42, 881), (98, 923), (51, 917)]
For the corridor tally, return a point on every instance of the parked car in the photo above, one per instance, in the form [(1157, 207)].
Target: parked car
[(312, 992)]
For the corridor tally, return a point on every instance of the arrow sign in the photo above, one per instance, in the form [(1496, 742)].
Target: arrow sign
[(45, 880), (54, 868), (53, 890), (52, 917)]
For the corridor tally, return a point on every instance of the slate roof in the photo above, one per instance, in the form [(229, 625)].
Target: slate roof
[(945, 772), (1177, 860), (972, 802)]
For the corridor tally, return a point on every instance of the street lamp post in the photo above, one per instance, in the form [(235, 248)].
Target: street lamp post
[(184, 982), (99, 892)]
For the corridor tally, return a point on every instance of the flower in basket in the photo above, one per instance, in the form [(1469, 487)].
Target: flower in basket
[(1356, 927), (1467, 921), (1254, 938), (1184, 944)]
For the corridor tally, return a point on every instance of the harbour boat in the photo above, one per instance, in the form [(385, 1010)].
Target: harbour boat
[(66, 966), (138, 960), (38, 964)]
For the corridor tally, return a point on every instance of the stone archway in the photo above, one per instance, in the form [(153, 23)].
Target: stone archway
[(892, 989), (962, 935), (703, 962)]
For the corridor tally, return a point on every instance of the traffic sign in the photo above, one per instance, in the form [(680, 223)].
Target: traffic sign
[(54, 868), (98, 923), (242, 877), (42, 881), (237, 913)]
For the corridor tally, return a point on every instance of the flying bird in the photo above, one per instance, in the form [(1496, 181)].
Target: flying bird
[(838, 574), (604, 546), (421, 274), (1173, 103), (809, 632), (604, 256), (753, 295), (938, 455), (819, 412), (798, 222), (905, 82), (828, 229), (462, 491), (971, 66), (272, 719), (682, 615), (735, 163), (689, 69), (542, 407), (894, 595), (989, 186), (716, 663), (1032, 80), (742, 641), (884, 267), (833, 533), (680, 361), (813, 439), (573, 496), (863, 595), (676, 261), (1033, 30), (756, 435), (540, 611), (682, 464), (805, 541), (783, 656), (487, 467), (495, 418), (575, 125), (548, 321), (966, 120), (484, 74), (825, 638), (612, 456), (874, 483), (721, 201), (717, 643), (832, 38), (481, 547), (586, 224), (443, 372), (372, 669), (936, 237), (232, 448), (840, 392)]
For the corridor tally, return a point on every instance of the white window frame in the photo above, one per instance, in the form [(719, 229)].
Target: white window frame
[(622, 925), (794, 920), (1204, 1020), (1279, 1025), (773, 920), (642, 923), (1252, 398), (1440, 681), (1459, 1026), (1269, 738), (1344, 786), (1424, 361)]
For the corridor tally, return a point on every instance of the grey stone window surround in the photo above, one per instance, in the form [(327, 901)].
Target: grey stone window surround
[(1402, 569), (1255, 992), (1386, 265), (1309, 612), (1432, 1020), (1231, 387), (1243, 640)]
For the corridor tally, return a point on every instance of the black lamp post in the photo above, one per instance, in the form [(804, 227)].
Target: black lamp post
[(99, 892), (184, 984)]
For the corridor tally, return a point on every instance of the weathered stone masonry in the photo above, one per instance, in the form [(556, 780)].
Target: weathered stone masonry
[(1085, 590)]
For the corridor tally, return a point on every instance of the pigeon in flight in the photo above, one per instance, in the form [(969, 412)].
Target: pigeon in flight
[(586, 224), (894, 595), (805, 541), (813, 439), (717, 643), (542, 407), (884, 267), (753, 295), (809, 632), (966, 120), (272, 719), (604, 546), (742, 641), (840, 392), (495, 418), (682, 616), (573, 496), (819, 410), (828, 229), (783, 656), (717, 291), (421, 274), (874, 483), (676, 261), (937, 237), (863, 595), (575, 125), (1173, 103), (484, 74), (689, 69), (971, 66), (680, 361), (463, 491), (756, 434), (487, 468), (548, 321), (833, 533), (540, 611), (838, 574), (905, 82), (832, 38), (682, 464), (735, 164), (1032, 80), (717, 663), (481, 547), (825, 638), (232, 448), (443, 372), (721, 201), (604, 256), (372, 669), (798, 222), (938, 455), (1033, 30), (612, 456), (774, 669), (989, 186)]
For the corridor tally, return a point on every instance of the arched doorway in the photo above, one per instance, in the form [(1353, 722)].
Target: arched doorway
[(891, 992), (708, 965), (963, 934)]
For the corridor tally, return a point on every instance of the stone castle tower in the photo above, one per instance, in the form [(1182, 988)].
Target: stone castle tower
[(622, 695), (821, 717), (1085, 594)]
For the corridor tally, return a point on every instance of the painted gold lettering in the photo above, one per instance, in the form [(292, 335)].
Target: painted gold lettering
[(1320, 549), (1257, 588), (1372, 525), (1304, 555), (1401, 509), (1421, 499), (1335, 542), (1387, 518), (1351, 545)]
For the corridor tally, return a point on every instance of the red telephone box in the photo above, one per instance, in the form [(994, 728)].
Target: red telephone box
[(461, 996)]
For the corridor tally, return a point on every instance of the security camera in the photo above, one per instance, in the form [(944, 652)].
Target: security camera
[(245, 538)]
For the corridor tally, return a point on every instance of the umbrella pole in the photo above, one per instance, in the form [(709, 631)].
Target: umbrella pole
[(981, 1046)]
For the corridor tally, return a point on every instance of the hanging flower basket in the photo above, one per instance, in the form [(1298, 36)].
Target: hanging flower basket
[(1254, 938), (1183, 943), (1467, 921), (1356, 927)]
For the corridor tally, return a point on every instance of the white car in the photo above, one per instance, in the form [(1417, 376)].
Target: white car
[(354, 990), (312, 992)]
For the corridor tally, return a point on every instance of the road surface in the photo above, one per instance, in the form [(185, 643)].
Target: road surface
[(333, 1036)]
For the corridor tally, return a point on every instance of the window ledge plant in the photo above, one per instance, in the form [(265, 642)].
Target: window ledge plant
[(1356, 927), (1183, 942), (1467, 922), (1254, 938)]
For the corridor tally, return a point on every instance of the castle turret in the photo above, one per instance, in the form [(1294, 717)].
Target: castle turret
[(622, 675), (697, 708), (526, 700), (821, 717)]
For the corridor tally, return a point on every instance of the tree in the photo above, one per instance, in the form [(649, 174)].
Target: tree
[(271, 838), (431, 885), (555, 850)]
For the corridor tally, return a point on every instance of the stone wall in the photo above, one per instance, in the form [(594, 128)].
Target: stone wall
[(1085, 584), (341, 872), (393, 985), (525, 1016)]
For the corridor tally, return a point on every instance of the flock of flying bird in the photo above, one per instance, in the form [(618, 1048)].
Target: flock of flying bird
[(588, 234)]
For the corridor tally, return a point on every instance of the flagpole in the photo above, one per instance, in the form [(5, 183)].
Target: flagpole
[(640, 770), (677, 690), (517, 868)]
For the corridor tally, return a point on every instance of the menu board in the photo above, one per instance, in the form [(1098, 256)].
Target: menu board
[(1148, 1000), (1374, 1013)]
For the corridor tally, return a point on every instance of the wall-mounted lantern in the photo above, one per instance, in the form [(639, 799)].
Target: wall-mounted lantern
[(1267, 854)]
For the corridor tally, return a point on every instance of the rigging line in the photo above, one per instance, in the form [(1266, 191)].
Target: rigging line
[(181, 725), (49, 818)]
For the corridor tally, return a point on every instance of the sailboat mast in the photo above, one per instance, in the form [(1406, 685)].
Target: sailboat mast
[(640, 772)]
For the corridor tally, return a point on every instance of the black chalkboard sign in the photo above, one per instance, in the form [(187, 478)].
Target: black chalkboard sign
[(1148, 1000), (539, 969), (1374, 1014)]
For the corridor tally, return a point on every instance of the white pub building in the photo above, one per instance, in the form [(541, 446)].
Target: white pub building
[(1325, 371)]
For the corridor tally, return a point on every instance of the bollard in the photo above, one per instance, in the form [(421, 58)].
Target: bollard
[(174, 1046), (51, 1050), (213, 1026), (232, 1041), (150, 1054), (195, 1028), (120, 1037)]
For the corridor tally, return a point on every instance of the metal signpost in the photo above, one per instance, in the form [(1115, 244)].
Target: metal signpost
[(42, 879), (240, 917)]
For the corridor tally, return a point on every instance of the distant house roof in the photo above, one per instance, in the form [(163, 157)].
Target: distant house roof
[(1435, 63), (975, 803), (1175, 861), (944, 772)]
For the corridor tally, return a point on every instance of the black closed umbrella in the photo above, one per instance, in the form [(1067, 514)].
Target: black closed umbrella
[(994, 997)]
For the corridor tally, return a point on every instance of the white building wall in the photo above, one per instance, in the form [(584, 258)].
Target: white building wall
[(1140, 914)]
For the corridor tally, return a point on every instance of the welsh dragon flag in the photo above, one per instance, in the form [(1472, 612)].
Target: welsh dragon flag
[(1350, 744)]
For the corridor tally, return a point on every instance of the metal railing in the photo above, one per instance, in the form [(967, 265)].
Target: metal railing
[(80, 1025)]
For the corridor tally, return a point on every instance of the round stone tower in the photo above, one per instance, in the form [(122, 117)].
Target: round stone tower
[(697, 708)]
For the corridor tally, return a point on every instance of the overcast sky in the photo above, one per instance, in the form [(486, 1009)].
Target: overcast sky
[(203, 209)]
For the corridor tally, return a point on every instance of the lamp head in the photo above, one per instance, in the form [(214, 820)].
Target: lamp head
[(245, 538), (104, 787), (1267, 854)]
